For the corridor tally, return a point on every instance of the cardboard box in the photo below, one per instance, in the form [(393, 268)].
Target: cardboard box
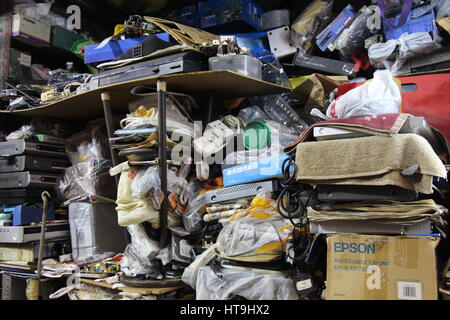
[(369, 267), (30, 31), (187, 15)]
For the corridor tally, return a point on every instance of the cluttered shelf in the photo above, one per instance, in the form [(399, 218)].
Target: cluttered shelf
[(88, 105)]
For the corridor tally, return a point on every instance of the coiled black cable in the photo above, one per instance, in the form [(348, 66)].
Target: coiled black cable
[(291, 207)]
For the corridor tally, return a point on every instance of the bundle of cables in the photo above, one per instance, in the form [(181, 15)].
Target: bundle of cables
[(293, 202)]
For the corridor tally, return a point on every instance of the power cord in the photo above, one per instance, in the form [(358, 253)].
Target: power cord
[(291, 206)]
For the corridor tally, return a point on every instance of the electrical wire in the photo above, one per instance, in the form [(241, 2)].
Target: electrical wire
[(291, 207)]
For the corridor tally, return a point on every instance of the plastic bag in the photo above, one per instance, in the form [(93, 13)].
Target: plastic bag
[(353, 37), (443, 9), (257, 234), (131, 210), (309, 23), (25, 132), (409, 45), (89, 178), (192, 220), (140, 254), (191, 272), (246, 284), (376, 96), (147, 185), (89, 144)]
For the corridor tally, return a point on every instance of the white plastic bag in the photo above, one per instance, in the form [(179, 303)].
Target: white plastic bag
[(385, 55), (191, 272), (246, 284), (377, 96)]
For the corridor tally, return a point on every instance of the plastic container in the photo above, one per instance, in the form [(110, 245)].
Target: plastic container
[(243, 64), (251, 114), (278, 109)]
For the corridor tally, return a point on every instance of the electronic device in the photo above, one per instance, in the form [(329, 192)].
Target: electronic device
[(329, 66), (350, 193), (26, 214), (436, 60), (329, 133), (151, 44), (24, 234), (22, 147), (26, 194), (28, 180), (189, 61), (30, 163), (370, 227), (241, 191)]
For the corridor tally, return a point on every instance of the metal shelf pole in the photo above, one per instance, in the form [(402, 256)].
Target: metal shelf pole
[(162, 134)]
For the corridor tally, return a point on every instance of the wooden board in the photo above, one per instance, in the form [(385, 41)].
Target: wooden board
[(88, 105), (142, 291)]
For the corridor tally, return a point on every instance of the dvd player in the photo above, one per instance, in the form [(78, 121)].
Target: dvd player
[(189, 61), (353, 193), (27, 179), (22, 147), (242, 191), (31, 163), (24, 234)]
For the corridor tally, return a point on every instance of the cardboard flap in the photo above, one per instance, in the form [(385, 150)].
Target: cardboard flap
[(182, 33)]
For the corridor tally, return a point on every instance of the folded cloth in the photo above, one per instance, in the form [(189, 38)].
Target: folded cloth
[(382, 124), (376, 157), (390, 212)]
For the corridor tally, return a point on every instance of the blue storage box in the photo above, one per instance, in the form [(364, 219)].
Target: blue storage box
[(114, 49), (187, 15), (421, 19), (25, 215), (263, 169), (230, 16)]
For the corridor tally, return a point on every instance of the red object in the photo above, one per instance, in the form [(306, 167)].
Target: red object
[(425, 96)]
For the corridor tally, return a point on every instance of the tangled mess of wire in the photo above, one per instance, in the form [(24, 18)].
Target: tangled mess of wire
[(290, 206)]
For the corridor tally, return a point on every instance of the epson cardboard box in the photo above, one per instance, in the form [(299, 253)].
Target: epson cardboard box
[(369, 267)]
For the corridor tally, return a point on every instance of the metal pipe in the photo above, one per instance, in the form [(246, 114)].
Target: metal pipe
[(106, 98), (162, 135)]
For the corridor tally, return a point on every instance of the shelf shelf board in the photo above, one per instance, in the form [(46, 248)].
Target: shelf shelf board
[(88, 105)]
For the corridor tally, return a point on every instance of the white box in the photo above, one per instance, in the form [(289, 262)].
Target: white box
[(31, 31)]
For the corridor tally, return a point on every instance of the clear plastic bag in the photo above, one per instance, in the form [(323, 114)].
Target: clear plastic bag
[(140, 255), (257, 234), (89, 178), (191, 272), (24, 132), (192, 220), (246, 284), (272, 70), (147, 185), (89, 144)]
